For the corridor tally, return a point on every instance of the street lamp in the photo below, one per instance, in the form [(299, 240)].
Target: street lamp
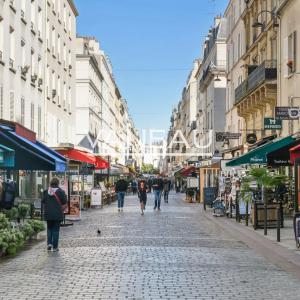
[(257, 24)]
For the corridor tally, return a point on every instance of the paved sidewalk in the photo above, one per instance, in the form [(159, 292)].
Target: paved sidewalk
[(177, 253)]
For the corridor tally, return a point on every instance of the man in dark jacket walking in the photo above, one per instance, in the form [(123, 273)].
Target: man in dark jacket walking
[(121, 188), (157, 185), (54, 203)]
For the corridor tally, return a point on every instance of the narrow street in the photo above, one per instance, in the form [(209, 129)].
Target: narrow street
[(173, 254)]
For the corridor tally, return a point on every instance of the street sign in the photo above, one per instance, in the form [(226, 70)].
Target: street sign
[(251, 138), (272, 124), (222, 136), (287, 113)]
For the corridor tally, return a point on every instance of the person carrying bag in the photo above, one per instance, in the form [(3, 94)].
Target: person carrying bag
[(54, 203)]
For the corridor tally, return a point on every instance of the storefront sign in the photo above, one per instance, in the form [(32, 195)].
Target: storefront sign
[(287, 113), (222, 136), (96, 197), (209, 195), (251, 138), (256, 160), (272, 124)]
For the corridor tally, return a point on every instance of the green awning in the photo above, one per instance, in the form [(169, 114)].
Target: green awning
[(259, 155), (7, 157)]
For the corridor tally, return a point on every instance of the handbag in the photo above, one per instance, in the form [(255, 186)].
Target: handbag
[(63, 207)]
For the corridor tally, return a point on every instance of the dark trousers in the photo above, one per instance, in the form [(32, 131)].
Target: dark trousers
[(157, 196), (53, 233), (120, 196), (166, 196)]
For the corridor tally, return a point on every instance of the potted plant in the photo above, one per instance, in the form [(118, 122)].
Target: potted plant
[(23, 210)]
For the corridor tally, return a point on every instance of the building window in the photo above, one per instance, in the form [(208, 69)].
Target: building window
[(290, 54), (23, 111), (58, 47), (32, 117), (1, 103), (53, 40), (58, 90), (32, 12), (12, 106), (12, 47), (39, 122)]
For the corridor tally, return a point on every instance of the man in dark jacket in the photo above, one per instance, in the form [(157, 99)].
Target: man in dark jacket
[(54, 203), (157, 185), (121, 188)]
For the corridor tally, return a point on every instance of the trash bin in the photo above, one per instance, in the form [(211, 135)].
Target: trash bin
[(297, 228)]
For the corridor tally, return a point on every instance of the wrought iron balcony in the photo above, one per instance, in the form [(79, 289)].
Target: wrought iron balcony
[(265, 72)]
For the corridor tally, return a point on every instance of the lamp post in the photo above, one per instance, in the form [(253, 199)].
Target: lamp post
[(257, 24)]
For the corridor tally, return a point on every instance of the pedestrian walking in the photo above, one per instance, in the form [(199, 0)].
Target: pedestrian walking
[(121, 188), (166, 189), (157, 186), (134, 186), (142, 194), (149, 185), (54, 202)]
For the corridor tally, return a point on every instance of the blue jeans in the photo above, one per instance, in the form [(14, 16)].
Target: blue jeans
[(121, 196), (157, 195), (53, 233)]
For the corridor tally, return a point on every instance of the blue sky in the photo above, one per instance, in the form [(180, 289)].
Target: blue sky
[(152, 45)]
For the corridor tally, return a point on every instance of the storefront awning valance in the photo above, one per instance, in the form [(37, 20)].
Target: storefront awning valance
[(30, 154), (259, 155), (281, 157), (188, 171), (294, 154), (85, 157), (7, 157)]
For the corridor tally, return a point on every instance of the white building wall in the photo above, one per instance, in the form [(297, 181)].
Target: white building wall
[(60, 71), (22, 63)]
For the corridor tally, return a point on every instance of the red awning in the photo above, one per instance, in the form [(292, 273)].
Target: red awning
[(85, 157), (294, 153), (101, 163), (188, 171)]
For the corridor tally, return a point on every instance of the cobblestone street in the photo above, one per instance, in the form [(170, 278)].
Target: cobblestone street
[(176, 253)]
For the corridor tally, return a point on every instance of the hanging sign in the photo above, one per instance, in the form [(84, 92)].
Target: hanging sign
[(222, 136), (272, 124), (251, 138), (287, 112)]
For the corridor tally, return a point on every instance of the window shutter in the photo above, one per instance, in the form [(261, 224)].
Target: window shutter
[(285, 57)]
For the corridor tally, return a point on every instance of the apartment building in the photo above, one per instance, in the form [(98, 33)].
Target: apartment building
[(60, 76), (256, 95), (212, 89), (89, 99), (22, 63), (289, 60), (235, 50)]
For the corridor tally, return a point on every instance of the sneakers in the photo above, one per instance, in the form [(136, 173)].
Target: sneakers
[(154, 207), (49, 247), (142, 213), (119, 209), (55, 249)]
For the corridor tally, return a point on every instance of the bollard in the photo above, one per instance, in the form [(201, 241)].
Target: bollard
[(231, 208), (246, 217), (204, 204), (278, 222)]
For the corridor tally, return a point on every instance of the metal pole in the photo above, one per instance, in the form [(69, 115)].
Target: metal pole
[(296, 186), (237, 209), (278, 222), (264, 199), (246, 217)]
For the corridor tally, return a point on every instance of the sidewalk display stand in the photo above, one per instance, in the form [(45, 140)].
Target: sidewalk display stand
[(96, 198), (75, 208)]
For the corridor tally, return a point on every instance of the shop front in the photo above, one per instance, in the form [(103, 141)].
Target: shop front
[(274, 157), (27, 162)]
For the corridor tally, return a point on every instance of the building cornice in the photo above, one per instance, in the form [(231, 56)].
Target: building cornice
[(73, 7)]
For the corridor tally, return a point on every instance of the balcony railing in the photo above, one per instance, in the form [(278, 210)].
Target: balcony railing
[(266, 71)]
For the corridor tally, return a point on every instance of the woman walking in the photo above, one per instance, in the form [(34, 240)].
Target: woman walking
[(54, 203), (142, 194)]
